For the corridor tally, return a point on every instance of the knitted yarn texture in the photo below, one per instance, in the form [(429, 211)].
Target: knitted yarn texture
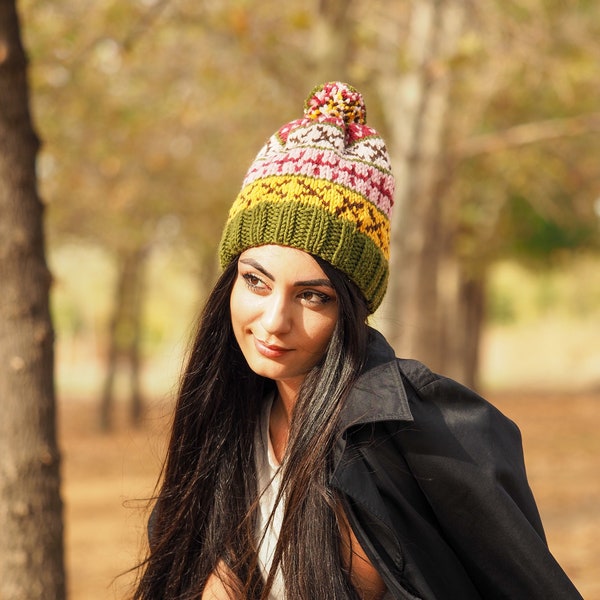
[(322, 184)]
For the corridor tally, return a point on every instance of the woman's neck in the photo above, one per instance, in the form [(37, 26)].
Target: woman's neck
[(286, 398), (281, 415)]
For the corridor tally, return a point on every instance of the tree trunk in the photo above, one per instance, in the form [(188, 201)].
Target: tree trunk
[(462, 312), (416, 107), (31, 552), (124, 338), (331, 42)]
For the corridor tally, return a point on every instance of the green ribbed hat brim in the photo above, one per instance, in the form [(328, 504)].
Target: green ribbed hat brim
[(315, 231)]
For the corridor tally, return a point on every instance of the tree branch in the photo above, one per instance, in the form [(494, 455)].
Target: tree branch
[(529, 133)]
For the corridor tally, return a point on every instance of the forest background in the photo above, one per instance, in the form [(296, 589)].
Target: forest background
[(150, 112)]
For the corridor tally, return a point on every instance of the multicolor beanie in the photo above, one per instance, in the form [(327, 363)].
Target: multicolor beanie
[(322, 184)]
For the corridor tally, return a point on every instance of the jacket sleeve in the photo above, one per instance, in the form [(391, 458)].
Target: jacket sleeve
[(468, 461)]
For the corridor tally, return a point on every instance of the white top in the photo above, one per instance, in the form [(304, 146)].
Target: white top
[(269, 482)]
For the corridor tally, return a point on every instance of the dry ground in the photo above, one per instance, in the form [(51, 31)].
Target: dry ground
[(106, 478)]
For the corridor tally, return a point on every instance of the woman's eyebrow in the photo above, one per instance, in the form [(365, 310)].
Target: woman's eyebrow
[(257, 266), (314, 283), (307, 283)]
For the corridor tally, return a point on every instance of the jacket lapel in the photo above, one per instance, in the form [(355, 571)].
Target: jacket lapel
[(378, 394)]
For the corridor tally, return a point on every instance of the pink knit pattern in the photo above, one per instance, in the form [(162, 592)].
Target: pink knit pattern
[(373, 184)]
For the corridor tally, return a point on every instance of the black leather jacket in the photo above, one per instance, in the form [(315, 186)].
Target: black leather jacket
[(436, 491)]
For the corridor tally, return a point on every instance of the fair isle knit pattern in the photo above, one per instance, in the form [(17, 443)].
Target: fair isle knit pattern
[(322, 184)]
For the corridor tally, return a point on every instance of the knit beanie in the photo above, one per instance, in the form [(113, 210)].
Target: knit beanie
[(322, 184)]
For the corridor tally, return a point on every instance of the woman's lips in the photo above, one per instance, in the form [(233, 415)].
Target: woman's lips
[(270, 350)]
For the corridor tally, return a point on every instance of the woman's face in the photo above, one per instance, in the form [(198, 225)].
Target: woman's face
[(283, 312)]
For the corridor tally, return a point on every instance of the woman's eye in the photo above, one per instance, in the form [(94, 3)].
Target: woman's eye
[(312, 297), (253, 282)]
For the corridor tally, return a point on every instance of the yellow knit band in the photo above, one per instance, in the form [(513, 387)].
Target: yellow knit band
[(341, 202)]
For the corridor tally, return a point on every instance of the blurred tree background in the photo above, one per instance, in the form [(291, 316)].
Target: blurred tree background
[(150, 112)]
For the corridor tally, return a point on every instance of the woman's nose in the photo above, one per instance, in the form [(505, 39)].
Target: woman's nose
[(276, 316)]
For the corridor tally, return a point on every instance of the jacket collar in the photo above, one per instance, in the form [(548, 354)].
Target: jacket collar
[(378, 394)]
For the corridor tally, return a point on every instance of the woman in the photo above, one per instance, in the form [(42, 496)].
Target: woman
[(306, 461)]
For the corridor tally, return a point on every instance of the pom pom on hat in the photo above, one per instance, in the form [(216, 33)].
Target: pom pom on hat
[(322, 184), (336, 101)]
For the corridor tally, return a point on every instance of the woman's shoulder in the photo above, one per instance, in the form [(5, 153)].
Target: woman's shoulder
[(409, 389)]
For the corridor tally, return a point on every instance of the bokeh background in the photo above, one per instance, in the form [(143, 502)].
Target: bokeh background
[(150, 112)]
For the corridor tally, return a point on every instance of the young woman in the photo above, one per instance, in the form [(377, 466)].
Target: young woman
[(306, 461)]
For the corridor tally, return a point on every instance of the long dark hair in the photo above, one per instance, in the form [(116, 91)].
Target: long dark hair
[(207, 501)]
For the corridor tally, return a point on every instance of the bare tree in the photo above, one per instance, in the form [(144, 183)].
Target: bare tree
[(125, 337), (31, 553)]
